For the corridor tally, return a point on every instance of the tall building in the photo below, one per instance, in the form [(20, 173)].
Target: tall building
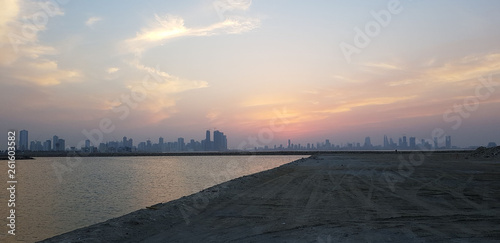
[(36, 146), (130, 144), (207, 144), (368, 143), (386, 142), (32, 146), (55, 143), (62, 145), (180, 144), (220, 141), (448, 142), (413, 143), (23, 140), (47, 145)]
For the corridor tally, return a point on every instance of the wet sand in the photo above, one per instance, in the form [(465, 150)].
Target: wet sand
[(412, 197)]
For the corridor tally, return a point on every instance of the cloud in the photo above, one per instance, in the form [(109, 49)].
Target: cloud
[(92, 20), (382, 66), (351, 104), (169, 27), (24, 58), (384, 92), (157, 92), (8, 12), (18, 37), (112, 70), (466, 68), (45, 73)]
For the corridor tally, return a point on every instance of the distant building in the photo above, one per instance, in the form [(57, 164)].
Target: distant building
[(448, 142), (386, 142), (47, 145), (207, 144), (103, 148), (413, 143), (180, 144), (328, 145), (492, 144), (368, 143), (23, 140), (55, 143), (220, 141), (62, 145), (36, 146)]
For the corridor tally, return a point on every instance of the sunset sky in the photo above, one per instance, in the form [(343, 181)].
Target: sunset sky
[(269, 69)]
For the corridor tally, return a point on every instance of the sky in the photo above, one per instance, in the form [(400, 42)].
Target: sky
[(260, 71)]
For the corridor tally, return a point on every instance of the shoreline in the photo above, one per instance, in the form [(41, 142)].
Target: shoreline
[(341, 197), (32, 155)]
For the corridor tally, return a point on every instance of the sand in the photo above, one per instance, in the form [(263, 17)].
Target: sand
[(412, 197)]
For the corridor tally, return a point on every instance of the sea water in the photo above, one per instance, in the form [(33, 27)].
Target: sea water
[(57, 195)]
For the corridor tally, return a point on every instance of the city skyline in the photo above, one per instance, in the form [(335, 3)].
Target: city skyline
[(219, 143), (307, 71), (91, 144)]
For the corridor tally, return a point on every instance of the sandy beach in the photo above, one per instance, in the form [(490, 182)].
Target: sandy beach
[(358, 197)]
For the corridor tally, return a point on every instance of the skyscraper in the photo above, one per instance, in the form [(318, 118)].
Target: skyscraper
[(413, 143), (386, 142), (327, 144), (220, 141), (368, 143), (62, 145), (207, 143), (448, 142), (180, 144), (23, 140), (47, 145), (55, 143)]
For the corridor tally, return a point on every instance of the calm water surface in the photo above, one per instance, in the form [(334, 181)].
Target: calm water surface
[(98, 189)]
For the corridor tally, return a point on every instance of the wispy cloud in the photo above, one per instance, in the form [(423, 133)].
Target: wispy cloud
[(92, 20), (382, 66), (24, 57), (372, 101), (112, 70), (45, 73), (169, 27), (166, 83), (19, 37), (160, 92)]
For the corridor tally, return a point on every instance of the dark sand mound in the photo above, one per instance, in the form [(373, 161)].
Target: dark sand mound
[(483, 152)]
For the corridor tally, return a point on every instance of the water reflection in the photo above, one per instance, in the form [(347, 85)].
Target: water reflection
[(102, 188)]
